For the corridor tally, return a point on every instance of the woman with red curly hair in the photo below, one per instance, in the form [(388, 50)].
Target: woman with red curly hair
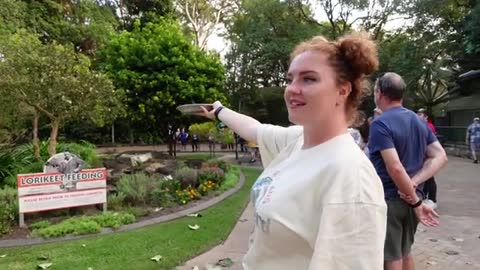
[(319, 203)]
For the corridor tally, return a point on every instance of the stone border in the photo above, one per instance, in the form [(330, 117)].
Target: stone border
[(194, 209)]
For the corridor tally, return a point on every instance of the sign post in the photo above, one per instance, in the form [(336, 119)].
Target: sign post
[(48, 191)]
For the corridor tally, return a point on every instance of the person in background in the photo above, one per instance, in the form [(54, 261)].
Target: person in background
[(253, 149), (194, 142), (319, 203), (211, 142), (473, 138), (422, 113), (405, 153), (430, 186), (184, 139), (376, 113), (355, 132), (365, 131)]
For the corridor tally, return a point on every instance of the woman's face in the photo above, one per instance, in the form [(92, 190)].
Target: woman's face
[(312, 94)]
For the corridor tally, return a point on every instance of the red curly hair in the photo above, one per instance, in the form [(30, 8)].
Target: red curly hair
[(352, 57)]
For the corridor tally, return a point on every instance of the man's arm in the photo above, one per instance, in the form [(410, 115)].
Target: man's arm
[(398, 174), (467, 136), (436, 159)]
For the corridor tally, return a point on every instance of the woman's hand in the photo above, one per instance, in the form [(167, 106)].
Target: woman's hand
[(210, 114)]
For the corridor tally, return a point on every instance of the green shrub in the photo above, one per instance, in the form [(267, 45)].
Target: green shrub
[(215, 175), (218, 163), (34, 167), (85, 225), (113, 219), (187, 177), (8, 208), (137, 212), (115, 201), (138, 188), (7, 163), (163, 197), (231, 179), (39, 225)]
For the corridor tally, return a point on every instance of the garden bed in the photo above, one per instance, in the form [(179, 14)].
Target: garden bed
[(173, 240), (144, 189)]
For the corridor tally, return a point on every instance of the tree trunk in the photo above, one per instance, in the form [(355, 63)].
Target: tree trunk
[(113, 133), (130, 134), (35, 140), (52, 146)]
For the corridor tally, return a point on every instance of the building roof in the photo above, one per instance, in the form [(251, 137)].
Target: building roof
[(464, 103), (470, 75)]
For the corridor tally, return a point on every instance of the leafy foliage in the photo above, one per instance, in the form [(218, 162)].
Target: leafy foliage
[(187, 176), (56, 82), (159, 69), (39, 225), (214, 174), (136, 187), (85, 225), (115, 200), (8, 208)]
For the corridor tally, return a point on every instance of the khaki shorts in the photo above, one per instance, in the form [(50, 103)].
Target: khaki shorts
[(401, 227)]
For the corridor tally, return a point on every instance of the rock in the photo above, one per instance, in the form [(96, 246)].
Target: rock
[(109, 164), (140, 159), (457, 239), (154, 167), (452, 252), (433, 240), (109, 173), (136, 159), (432, 263), (225, 262)]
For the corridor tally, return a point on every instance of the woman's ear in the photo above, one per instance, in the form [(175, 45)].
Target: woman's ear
[(344, 91)]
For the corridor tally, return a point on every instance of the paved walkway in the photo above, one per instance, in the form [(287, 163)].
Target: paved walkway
[(455, 245)]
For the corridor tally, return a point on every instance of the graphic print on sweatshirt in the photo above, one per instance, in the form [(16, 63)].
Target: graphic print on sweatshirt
[(261, 193)]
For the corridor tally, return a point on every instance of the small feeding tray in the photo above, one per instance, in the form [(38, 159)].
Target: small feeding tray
[(194, 108)]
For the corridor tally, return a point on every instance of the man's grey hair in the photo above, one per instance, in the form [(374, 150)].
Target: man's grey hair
[(391, 85)]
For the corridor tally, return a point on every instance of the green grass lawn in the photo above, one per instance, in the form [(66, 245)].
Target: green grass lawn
[(133, 250)]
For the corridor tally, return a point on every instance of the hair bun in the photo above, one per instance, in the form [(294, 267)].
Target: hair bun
[(360, 52)]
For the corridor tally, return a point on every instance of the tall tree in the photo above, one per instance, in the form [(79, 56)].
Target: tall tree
[(56, 82), (370, 15), (12, 14), (437, 25), (205, 18), (159, 69), (86, 24), (145, 11), (469, 58)]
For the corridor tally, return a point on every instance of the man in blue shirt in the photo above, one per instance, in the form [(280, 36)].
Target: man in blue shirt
[(405, 153), (473, 138)]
